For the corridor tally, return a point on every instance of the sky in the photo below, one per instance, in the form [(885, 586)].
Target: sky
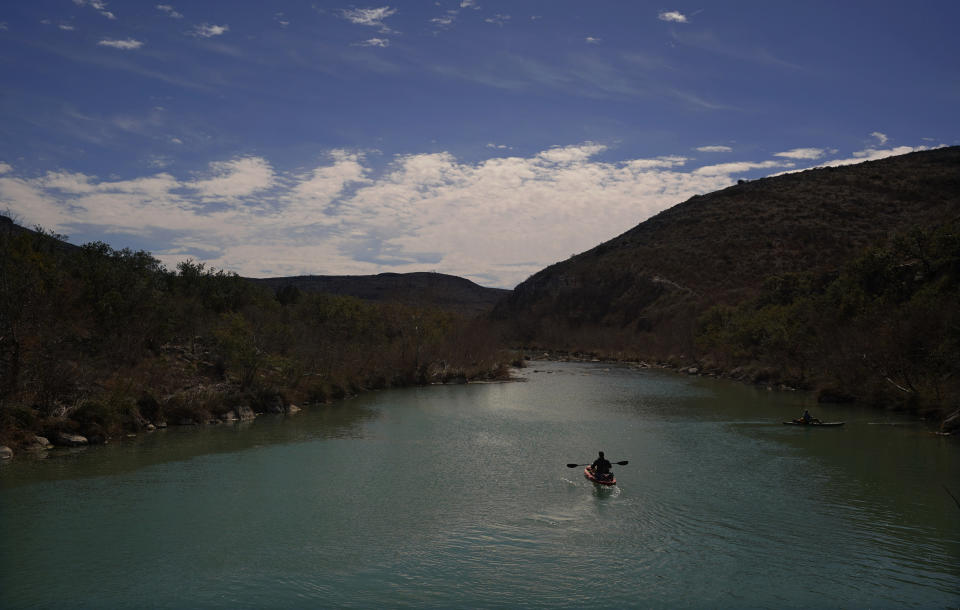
[(484, 139)]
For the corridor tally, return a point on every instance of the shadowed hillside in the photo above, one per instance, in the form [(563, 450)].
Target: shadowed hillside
[(842, 280), (423, 289), (641, 292)]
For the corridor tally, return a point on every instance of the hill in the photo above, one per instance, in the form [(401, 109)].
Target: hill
[(840, 278), (446, 292), (656, 278)]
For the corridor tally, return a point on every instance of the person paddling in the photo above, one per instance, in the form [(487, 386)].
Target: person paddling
[(601, 466), (809, 419)]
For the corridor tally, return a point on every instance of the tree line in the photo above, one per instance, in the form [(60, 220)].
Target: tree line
[(884, 328), (98, 341)]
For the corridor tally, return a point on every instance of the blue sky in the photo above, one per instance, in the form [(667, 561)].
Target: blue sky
[(486, 139)]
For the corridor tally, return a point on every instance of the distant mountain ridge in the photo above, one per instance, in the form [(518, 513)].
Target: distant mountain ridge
[(653, 280), (418, 288)]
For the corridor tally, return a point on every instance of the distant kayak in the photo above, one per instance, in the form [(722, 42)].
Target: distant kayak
[(828, 424), (599, 479)]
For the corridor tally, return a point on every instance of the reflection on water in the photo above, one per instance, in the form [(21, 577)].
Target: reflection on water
[(460, 497)]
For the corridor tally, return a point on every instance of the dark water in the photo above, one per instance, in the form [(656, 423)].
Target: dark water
[(458, 496)]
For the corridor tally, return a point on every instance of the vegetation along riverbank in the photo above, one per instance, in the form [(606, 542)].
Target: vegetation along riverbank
[(97, 342)]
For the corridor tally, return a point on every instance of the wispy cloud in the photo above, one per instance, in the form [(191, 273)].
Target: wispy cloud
[(445, 21), (128, 44), (581, 75), (592, 40), (66, 27), (739, 167), (209, 31), (715, 149), (371, 17), (374, 42), (169, 10), (881, 137), (674, 16), (802, 153), (498, 19), (97, 5), (736, 49)]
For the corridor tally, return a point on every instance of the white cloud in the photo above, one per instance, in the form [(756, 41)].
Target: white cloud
[(236, 178), (571, 154), (445, 21), (374, 42), (592, 40), (496, 220), (372, 17), (715, 149), (169, 10), (468, 4), (498, 19), (66, 27), (674, 16), (97, 5), (881, 137), (872, 154), (730, 169), (126, 45), (209, 31), (802, 153), (3, 26)]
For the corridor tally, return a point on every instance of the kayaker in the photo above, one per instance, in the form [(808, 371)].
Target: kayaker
[(807, 418), (601, 465)]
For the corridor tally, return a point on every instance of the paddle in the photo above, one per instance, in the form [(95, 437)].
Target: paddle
[(623, 463)]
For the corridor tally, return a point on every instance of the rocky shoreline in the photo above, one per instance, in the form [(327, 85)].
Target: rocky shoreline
[(34, 444)]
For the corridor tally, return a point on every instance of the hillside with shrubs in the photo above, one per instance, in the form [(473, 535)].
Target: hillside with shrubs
[(836, 279), (97, 342)]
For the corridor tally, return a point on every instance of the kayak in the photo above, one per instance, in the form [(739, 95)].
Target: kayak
[(813, 424), (599, 479)]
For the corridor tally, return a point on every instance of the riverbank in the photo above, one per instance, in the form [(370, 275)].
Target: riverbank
[(195, 392), (944, 420)]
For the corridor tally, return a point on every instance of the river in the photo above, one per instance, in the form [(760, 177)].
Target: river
[(459, 496)]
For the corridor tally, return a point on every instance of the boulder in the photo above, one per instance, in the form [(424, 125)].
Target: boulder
[(41, 443), (245, 413), (229, 416), (66, 439), (5, 452), (291, 409), (951, 425)]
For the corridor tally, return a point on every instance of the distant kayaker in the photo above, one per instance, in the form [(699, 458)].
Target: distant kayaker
[(601, 465), (808, 419)]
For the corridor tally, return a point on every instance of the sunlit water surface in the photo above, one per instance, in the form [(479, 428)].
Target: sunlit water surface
[(458, 496)]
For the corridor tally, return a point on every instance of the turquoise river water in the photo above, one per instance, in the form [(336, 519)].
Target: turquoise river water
[(459, 496)]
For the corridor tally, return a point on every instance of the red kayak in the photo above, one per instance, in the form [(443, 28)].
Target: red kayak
[(599, 479)]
